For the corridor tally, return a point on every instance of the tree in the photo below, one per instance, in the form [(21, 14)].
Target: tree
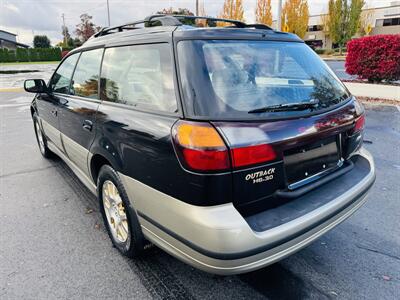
[(233, 9), (295, 16), (66, 35), (41, 41), (343, 20), (77, 42), (325, 24), (201, 22), (366, 22), (263, 12), (179, 11), (86, 28)]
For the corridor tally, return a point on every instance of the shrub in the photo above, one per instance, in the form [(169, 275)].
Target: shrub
[(375, 58), (7, 55), (22, 54), (31, 54), (319, 50), (64, 53)]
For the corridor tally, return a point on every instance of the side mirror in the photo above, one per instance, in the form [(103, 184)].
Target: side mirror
[(35, 86)]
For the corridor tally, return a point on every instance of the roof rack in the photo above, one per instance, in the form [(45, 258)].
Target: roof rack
[(174, 20), (164, 20)]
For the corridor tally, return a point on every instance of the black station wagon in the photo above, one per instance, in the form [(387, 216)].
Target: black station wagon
[(229, 147)]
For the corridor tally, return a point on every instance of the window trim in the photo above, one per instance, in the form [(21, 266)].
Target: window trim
[(58, 67), (229, 119), (179, 112), (76, 97)]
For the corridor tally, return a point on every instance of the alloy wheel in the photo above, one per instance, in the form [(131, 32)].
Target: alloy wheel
[(42, 146), (115, 211)]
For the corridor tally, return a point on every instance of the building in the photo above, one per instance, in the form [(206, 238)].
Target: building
[(381, 20), (8, 40)]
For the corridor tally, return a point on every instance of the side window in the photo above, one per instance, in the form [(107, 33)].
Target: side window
[(86, 76), (140, 76), (62, 77)]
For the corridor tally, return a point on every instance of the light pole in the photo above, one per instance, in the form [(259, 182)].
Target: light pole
[(108, 14), (279, 20), (197, 7), (64, 30)]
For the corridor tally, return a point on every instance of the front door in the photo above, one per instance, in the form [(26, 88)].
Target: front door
[(49, 104), (78, 111)]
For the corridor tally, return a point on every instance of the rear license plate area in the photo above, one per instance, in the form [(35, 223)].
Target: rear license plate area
[(305, 164)]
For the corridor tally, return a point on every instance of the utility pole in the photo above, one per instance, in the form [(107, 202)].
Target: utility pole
[(108, 14), (279, 20), (197, 7), (64, 33)]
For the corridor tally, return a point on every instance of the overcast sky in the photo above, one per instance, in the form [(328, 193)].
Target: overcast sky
[(36, 17)]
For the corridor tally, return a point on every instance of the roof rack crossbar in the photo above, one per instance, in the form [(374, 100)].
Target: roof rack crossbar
[(150, 21), (107, 30), (174, 20)]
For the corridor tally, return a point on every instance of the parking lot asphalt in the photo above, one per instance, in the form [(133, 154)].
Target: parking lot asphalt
[(53, 244)]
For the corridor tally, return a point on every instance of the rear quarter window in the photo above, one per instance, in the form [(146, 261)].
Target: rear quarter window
[(140, 76)]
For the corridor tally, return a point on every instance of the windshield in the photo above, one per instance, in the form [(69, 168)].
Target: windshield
[(240, 79)]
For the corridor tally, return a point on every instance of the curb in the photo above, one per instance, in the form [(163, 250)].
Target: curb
[(333, 58), (8, 90), (374, 90)]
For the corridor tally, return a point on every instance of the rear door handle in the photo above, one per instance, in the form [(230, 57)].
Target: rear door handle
[(87, 125)]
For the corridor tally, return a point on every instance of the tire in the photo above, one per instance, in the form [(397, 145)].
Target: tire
[(40, 138), (119, 209)]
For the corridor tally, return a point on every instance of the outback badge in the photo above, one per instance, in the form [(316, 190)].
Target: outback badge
[(261, 176)]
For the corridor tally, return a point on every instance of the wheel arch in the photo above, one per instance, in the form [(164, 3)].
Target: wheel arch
[(101, 158), (33, 107)]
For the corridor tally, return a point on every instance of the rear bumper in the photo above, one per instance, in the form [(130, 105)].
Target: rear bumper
[(220, 240)]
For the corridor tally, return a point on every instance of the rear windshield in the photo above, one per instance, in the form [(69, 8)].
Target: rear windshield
[(224, 79)]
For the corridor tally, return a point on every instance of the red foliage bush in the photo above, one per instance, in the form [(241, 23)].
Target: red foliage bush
[(64, 53), (375, 58)]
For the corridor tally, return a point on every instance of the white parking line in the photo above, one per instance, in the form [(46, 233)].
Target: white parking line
[(14, 105), (398, 107)]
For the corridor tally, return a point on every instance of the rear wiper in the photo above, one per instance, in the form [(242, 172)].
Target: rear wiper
[(286, 107)]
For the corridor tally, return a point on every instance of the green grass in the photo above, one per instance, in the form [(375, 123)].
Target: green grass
[(29, 63)]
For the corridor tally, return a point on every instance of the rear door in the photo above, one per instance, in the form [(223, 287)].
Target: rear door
[(139, 108), (77, 112), (49, 104)]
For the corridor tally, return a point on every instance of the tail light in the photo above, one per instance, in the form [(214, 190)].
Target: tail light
[(200, 147), (359, 124), (252, 155)]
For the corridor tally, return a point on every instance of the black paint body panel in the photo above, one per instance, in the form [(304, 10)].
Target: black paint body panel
[(142, 141), (138, 143)]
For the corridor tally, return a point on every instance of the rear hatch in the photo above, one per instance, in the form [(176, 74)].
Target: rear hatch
[(285, 117), (307, 149)]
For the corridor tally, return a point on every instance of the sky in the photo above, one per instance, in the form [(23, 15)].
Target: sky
[(43, 17)]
